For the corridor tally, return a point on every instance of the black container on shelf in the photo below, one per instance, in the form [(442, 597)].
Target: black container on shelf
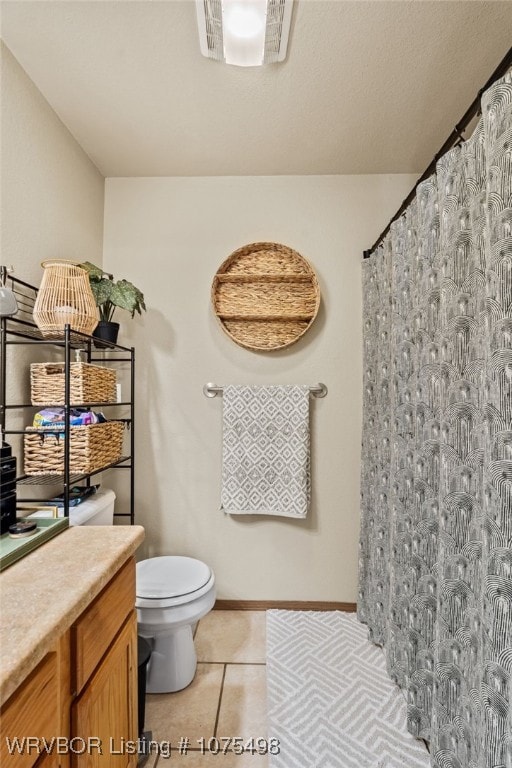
[(5, 450), (7, 488)]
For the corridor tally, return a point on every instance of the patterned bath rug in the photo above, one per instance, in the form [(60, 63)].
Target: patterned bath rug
[(331, 703)]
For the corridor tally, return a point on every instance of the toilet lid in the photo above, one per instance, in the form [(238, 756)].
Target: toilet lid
[(170, 576)]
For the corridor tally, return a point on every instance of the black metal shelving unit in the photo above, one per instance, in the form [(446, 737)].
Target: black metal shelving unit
[(20, 330)]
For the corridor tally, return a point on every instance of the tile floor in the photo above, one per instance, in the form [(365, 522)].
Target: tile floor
[(227, 697)]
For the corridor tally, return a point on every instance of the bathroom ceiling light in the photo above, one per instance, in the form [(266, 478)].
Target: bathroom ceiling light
[(245, 33)]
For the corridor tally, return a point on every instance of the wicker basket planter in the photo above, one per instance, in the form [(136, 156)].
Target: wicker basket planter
[(91, 447), (265, 296), (88, 384)]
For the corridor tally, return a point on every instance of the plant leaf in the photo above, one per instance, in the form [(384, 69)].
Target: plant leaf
[(102, 290), (126, 296), (95, 273)]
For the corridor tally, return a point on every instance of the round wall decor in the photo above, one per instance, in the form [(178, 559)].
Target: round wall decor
[(265, 296)]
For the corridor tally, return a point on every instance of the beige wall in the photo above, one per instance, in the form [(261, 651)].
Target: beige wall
[(51, 203), (51, 193), (169, 236)]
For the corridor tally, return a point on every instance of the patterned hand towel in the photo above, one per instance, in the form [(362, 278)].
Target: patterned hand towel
[(265, 450)]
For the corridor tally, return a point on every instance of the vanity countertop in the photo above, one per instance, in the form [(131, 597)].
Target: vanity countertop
[(45, 592)]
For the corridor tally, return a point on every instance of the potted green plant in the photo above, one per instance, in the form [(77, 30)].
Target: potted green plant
[(109, 295)]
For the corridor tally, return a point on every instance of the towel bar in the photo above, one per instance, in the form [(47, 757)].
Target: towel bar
[(212, 390)]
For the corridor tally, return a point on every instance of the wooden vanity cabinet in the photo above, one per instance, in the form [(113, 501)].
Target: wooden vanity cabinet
[(84, 690)]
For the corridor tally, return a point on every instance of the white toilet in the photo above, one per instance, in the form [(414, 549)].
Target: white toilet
[(173, 593)]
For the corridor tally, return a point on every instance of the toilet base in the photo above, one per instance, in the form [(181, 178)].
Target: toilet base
[(173, 660)]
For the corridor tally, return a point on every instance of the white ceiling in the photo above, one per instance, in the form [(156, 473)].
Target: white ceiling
[(369, 86)]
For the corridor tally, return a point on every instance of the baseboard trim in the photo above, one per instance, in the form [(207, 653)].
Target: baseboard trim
[(285, 605)]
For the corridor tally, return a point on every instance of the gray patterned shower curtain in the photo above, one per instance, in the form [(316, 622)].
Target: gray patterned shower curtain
[(436, 528)]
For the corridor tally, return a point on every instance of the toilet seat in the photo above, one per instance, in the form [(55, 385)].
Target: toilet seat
[(162, 582)]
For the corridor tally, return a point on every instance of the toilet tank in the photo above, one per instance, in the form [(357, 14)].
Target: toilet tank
[(96, 510)]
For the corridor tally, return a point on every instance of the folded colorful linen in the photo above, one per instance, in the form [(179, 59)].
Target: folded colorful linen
[(55, 417)]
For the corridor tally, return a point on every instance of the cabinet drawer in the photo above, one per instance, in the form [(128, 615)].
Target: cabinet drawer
[(33, 711), (98, 625)]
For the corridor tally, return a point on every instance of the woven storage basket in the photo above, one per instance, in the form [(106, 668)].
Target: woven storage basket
[(265, 296), (92, 447), (88, 384), (64, 298)]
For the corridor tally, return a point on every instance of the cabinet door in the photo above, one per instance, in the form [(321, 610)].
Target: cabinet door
[(31, 713), (105, 715)]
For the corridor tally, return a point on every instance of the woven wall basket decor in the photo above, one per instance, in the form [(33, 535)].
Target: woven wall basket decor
[(265, 296)]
